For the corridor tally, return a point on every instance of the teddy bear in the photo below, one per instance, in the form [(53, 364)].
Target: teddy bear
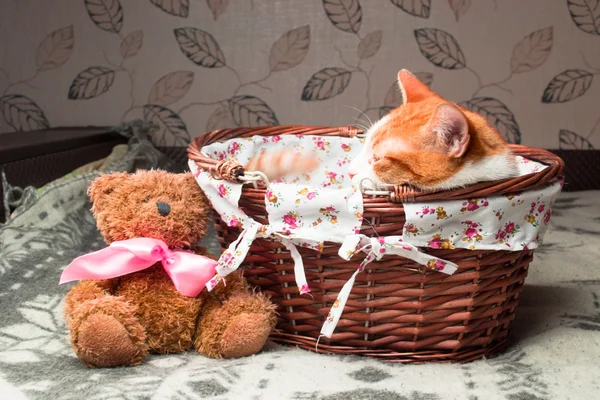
[(118, 321)]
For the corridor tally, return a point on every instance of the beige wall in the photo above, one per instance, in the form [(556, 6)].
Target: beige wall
[(99, 62)]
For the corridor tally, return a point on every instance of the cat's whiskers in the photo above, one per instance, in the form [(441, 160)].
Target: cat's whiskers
[(359, 125), (362, 112)]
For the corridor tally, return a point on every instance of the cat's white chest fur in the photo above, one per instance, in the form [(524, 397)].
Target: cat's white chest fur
[(490, 168)]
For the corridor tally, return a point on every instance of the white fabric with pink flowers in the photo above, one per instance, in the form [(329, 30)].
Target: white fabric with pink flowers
[(325, 205), (511, 222)]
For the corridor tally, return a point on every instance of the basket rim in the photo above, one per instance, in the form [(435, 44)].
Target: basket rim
[(230, 170)]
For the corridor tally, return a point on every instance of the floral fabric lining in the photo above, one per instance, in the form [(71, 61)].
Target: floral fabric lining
[(517, 221)]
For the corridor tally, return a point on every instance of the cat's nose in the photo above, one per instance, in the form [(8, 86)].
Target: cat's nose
[(351, 175), (163, 208)]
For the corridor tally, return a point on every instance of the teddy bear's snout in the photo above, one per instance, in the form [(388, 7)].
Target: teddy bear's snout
[(163, 208)]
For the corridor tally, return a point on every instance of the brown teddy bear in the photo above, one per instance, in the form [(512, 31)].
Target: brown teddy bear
[(117, 322)]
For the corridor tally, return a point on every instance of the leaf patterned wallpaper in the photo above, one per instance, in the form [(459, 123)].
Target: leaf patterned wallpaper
[(191, 66)]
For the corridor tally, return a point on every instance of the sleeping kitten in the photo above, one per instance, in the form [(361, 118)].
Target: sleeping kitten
[(431, 143), (427, 142)]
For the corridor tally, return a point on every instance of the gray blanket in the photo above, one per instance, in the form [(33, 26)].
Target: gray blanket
[(555, 352)]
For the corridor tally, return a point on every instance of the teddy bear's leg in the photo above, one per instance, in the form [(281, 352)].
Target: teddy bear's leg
[(168, 316), (104, 329), (234, 322)]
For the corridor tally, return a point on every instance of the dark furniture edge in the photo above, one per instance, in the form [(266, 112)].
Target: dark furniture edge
[(39, 157), (16, 146), (582, 169)]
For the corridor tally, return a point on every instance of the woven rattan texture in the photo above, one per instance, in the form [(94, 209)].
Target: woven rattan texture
[(397, 311)]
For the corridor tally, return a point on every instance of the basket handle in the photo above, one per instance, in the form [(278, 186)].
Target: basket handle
[(228, 169)]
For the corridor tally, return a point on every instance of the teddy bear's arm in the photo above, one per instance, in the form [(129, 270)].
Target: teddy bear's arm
[(87, 290)]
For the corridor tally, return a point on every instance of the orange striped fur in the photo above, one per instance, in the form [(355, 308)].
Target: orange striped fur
[(431, 143)]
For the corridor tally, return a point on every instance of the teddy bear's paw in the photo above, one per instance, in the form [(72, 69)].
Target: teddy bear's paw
[(245, 335), (237, 327), (105, 333)]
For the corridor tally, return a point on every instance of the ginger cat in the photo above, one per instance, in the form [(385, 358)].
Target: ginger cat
[(431, 143), (427, 142)]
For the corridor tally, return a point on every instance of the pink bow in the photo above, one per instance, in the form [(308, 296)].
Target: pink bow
[(188, 271)]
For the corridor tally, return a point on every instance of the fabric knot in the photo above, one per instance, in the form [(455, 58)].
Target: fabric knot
[(376, 248)]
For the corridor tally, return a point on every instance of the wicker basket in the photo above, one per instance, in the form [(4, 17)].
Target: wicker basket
[(397, 311)]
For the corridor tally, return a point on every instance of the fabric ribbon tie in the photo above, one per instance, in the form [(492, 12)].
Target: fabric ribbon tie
[(232, 258), (299, 273), (376, 248), (189, 272)]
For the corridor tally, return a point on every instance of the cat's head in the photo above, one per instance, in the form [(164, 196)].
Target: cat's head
[(431, 143)]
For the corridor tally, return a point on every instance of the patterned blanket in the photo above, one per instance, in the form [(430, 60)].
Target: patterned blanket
[(556, 336)]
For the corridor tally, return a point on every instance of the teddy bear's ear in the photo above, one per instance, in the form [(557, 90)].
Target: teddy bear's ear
[(189, 182), (105, 184)]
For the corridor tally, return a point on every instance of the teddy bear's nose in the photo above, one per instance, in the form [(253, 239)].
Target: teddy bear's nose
[(163, 208)]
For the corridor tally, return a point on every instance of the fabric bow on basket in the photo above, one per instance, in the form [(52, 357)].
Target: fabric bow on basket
[(376, 248), (189, 271)]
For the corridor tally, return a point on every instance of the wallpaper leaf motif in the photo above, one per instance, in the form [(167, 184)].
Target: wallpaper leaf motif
[(143, 82), (346, 15), (91, 82), (459, 7), (221, 118), (178, 8), (106, 14), (418, 8), (532, 51), (571, 141), (586, 15), (55, 49), (326, 83), (200, 47), (172, 130), (171, 88), (132, 44), (22, 114), (498, 115), (217, 7), (251, 111), (290, 49), (393, 99), (369, 45), (567, 85), (440, 48)]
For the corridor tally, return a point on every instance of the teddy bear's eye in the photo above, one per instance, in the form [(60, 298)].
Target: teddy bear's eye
[(147, 199)]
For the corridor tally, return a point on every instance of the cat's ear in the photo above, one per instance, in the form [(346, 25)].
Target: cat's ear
[(412, 88), (451, 130)]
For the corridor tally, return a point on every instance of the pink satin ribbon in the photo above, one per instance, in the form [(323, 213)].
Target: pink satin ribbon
[(188, 271)]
